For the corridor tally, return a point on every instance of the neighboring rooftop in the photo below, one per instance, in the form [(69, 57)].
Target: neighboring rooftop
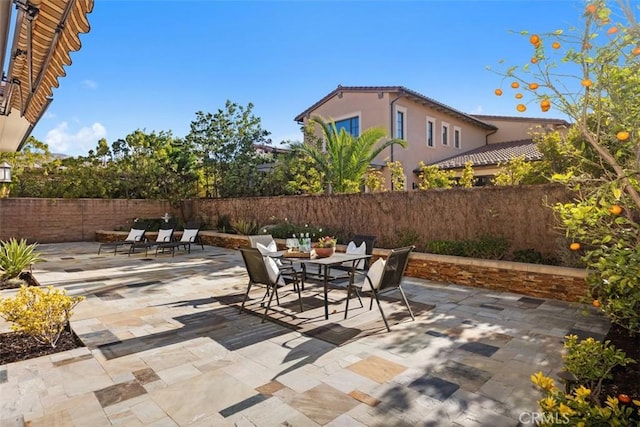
[(560, 122), (492, 154)]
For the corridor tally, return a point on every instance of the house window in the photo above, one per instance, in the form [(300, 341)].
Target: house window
[(400, 124), (445, 133), (431, 124), (457, 132), (350, 125)]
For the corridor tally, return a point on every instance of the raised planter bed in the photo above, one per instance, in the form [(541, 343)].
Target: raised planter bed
[(535, 280)]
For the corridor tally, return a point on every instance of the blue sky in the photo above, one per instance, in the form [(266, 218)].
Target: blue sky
[(153, 64)]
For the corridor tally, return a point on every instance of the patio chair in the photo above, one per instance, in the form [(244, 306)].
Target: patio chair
[(264, 240), (356, 246), (136, 235), (263, 270), (190, 235), (383, 276)]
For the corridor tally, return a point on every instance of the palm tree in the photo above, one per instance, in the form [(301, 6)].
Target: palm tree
[(343, 158)]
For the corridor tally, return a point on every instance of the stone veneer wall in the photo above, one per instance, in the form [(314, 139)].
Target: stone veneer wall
[(543, 281)]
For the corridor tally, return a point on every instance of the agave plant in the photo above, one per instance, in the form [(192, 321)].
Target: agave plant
[(16, 256), (245, 226)]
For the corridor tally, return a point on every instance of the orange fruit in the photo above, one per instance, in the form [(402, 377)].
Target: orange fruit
[(586, 83), (515, 85), (555, 45), (591, 9), (534, 39), (545, 103), (521, 107), (636, 51), (596, 303), (612, 30), (498, 92), (622, 135), (574, 246), (533, 86), (534, 60), (615, 209), (624, 398), (518, 96)]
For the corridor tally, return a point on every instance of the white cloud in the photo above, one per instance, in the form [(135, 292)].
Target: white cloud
[(49, 116), (477, 110), (65, 141), (89, 84)]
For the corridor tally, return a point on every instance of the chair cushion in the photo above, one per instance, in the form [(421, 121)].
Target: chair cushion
[(266, 249), (375, 272), (270, 248), (135, 235), (189, 235), (358, 250), (274, 271), (164, 235)]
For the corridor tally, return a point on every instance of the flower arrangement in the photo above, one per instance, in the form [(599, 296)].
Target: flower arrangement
[(326, 242)]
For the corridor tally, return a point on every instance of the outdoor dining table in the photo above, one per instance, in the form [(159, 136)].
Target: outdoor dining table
[(336, 259)]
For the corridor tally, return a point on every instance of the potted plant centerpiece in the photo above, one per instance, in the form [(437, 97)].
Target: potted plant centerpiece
[(325, 247)]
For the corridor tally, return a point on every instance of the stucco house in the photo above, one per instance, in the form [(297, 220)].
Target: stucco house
[(436, 133)]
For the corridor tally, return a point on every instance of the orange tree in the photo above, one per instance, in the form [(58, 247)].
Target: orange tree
[(592, 75)]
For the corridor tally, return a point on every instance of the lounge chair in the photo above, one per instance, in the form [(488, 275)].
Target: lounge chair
[(190, 234), (264, 271), (383, 276), (165, 235), (136, 235)]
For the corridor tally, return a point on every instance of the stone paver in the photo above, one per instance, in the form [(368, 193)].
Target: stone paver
[(166, 346)]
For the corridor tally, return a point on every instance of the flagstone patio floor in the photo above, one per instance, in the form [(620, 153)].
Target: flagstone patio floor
[(161, 349)]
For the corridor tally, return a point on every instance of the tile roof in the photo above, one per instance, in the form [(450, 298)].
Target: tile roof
[(492, 154), (415, 96), (522, 119)]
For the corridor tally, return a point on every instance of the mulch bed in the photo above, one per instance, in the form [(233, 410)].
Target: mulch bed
[(626, 379), (16, 346), (24, 277)]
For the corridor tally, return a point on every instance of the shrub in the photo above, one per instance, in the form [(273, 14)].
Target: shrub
[(487, 247), (223, 224), (529, 255), (577, 408), (16, 256), (407, 237), (41, 313), (287, 229), (591, 362), (532, 256), (445, 247)]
